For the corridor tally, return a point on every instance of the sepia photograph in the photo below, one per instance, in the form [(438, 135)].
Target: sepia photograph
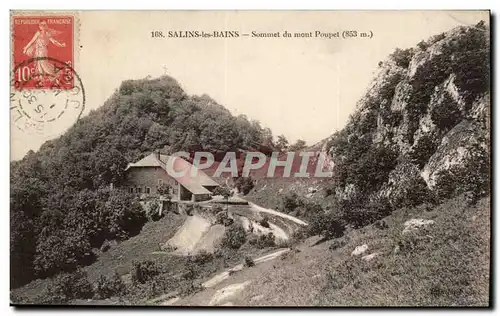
[(250, 158)]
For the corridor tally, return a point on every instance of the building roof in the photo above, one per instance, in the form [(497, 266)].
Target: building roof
[(193, 179)]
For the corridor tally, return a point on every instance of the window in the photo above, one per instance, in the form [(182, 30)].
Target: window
[(148, 190), (160, 181), (138, 190), (131, 190)]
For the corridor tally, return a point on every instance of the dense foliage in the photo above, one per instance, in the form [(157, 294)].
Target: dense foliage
[(61, 205), (404, 124), (234, 237)]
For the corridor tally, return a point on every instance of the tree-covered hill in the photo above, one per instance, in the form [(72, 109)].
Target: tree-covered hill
[(61, 207)]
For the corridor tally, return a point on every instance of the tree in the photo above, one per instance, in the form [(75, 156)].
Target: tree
[(244, 184), (267, 138), (164, 191), (234, 237), (226, 193), (281, 143), (299, 145), (56, 193)]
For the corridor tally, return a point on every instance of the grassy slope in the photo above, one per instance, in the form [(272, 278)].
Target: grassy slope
[(444, 264), (267, 193), (143, 247), (119, 258)]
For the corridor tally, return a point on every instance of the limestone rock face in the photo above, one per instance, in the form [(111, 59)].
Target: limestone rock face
[(423, 125)]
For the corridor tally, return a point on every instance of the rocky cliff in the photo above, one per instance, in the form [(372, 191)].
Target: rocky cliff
[(423, 125)]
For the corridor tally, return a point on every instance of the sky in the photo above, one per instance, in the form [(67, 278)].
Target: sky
[(299, 87)]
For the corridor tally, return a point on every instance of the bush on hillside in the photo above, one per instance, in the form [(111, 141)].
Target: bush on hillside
[(264, 222), (326, 224), (327, 191), (68, 242), (423, 149), (338, 243), (143, 271), (266, 240), (153, 210), (248, 262), (290, 202), (107, 287), (234, 237), (192, 269), (203, 257), (359, 215), (402, 57), (222, 218), (446, 114), (66, 287), (244, 185)]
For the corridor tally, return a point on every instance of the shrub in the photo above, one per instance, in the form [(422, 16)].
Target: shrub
[(224, 191), (203, 257), (381, 224), (107, 287), (301, 233), (328, 191), (248, 262), (446, 114), (143, 271), (264, 222), (188, 288), (223, 218), (244, 185), (338, 243), (252, 240), (153, 210), (192, 269), (234, 237), (266, 240), (471, 177), (422, 45), (164, 190), (402, 57), (327, 225), (424, 148), (290, 202), (359, 216), (68, 286)]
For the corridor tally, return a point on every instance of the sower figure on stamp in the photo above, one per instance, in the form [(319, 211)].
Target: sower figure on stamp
[(38, 48)]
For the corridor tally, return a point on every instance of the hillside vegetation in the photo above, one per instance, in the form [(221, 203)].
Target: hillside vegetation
[(416, 150), (446, 263), (61, 205), (421, 133)]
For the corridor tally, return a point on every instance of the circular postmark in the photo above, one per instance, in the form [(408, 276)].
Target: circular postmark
[(44, 91)]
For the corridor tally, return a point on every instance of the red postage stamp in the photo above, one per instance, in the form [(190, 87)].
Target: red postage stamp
[(43, 52)]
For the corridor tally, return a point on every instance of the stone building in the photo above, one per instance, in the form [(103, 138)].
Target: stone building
[(145, 176)]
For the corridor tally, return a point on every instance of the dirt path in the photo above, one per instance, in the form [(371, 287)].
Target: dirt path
[(190, 237), (256, 228), (274, 212), (224, 275)]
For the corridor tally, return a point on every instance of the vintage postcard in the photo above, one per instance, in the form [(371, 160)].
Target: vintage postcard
[(250, 158)]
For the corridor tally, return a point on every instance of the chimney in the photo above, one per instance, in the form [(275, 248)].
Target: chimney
[(157, 154)]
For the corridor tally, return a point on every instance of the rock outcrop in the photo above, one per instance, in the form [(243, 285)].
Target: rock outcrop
[(422, 126)]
